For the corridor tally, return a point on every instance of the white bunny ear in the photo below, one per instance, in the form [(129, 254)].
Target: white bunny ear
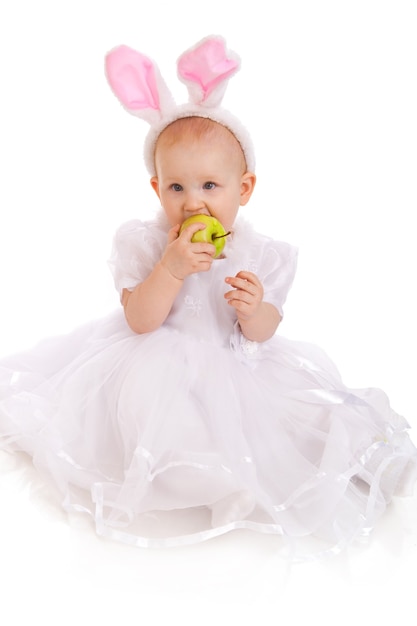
[(206, 68), (138, 85)]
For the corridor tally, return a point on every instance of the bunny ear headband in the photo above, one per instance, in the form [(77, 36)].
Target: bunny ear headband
[(205, 70)]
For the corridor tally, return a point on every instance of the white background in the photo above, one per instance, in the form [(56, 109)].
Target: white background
[(328, 90)]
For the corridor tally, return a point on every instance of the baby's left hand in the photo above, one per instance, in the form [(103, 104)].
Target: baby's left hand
[(247, 294)]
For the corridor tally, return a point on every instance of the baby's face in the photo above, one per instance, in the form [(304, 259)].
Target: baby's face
[(196, 177)]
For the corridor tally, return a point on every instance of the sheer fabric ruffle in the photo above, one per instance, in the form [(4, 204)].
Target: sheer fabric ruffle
[(188, 432)]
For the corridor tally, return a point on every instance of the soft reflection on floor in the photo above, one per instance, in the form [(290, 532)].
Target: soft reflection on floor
[(54, 567)]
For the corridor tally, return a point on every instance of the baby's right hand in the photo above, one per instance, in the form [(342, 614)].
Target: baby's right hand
[(183, 257)]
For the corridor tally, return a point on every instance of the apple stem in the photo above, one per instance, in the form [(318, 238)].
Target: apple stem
[(220, 236)]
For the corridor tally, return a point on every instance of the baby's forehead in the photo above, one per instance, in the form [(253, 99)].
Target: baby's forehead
[(200, 131)]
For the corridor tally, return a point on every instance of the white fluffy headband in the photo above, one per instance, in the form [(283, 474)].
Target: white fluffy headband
[(205, 70)]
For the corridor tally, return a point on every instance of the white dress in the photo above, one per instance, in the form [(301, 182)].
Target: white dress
[(187, 432)]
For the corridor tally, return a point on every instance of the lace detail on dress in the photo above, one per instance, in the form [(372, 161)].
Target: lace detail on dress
[(253, 266), (245, 349), (248, 347), (193, 305)]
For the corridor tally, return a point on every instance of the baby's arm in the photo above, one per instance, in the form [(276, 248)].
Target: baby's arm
[(258, 320), (148, 305)]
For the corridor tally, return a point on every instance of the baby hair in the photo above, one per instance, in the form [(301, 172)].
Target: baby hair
[(195, 128)]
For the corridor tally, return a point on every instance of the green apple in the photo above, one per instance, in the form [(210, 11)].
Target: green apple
[(214, 232)]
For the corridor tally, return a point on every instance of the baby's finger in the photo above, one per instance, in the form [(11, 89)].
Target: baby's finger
[(204, 248), (173, 233), (190, 230), (249, 276), (242, 284), (239, 295)]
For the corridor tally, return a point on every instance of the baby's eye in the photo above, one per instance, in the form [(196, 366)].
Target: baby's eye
[(209, 185), (176, 187)]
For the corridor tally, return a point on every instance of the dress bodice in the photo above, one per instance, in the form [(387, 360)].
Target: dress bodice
[(200, 308)]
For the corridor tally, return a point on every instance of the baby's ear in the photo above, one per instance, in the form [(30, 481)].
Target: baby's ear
[(155, 185), (247, 185)]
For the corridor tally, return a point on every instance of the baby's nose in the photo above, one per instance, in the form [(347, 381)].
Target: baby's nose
[(194, 201)]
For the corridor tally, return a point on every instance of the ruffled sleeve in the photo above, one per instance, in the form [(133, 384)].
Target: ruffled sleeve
[(273, 262), (137, 247), (277, 268)]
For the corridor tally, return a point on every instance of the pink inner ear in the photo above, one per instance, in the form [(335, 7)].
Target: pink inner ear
[(207, 65), (132, 77)]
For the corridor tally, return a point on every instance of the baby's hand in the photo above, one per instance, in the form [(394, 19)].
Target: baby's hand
[(246, 296), (182, 257)]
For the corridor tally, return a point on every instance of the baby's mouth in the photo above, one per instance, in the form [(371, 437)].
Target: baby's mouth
[(194, 213)]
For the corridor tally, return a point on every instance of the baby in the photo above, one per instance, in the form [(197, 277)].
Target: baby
[(186, 414)]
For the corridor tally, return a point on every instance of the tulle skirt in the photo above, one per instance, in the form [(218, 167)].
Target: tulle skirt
[(168, 439)]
